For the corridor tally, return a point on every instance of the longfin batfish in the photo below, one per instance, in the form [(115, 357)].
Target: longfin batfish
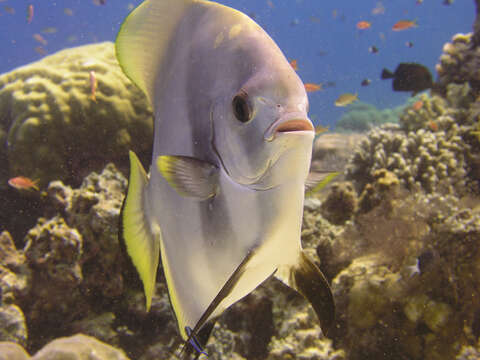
[(223, 203)]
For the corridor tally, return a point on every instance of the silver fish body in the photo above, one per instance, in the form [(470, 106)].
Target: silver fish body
[(223, 203)]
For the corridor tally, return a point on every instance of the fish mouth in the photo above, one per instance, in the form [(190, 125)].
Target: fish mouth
[(289, 123)]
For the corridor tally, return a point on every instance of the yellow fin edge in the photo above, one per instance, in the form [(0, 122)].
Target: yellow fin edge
[(141, 243)]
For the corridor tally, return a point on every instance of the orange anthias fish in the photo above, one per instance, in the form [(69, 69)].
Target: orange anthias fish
[(40, 39), (433, 125), (294, 64), (404, 25), (29, 13), (93, 86), (310, 87), (417, 105), (362, 25), (23, 183)]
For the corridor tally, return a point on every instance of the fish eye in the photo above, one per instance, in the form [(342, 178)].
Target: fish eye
[(241, 107)]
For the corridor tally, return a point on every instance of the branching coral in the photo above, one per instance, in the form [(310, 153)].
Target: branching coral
[(434, 162)]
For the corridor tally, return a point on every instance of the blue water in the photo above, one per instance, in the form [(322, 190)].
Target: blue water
[(328, 47)]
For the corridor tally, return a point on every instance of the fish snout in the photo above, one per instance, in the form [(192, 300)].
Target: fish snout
[(289, 123)]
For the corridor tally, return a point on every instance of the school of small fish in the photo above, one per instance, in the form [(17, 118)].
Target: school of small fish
[(367, 23)]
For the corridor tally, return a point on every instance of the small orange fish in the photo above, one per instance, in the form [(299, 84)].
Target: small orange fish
[(404, 25), (23, 183), (93, 85), (294, 64), (40, 50), (29, 13), (9, 10), (310, 87), (362, 25), (417, 105), (433, 125), (40, 39)]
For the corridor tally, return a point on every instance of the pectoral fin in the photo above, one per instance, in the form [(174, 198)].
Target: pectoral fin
[(190, 177), (142, 245), (308, 280)]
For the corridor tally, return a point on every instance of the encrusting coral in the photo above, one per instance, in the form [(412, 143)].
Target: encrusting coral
[(55, 130)]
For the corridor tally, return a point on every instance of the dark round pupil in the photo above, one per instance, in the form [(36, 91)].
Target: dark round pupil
[(240, 108)]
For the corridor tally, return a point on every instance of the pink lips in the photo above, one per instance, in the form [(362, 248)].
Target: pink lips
[(290, 123), (294, 125)]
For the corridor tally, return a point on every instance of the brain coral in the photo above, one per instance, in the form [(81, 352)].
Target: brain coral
[(50, 126)]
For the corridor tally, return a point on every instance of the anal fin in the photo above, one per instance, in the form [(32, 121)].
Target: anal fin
[(142, 245)]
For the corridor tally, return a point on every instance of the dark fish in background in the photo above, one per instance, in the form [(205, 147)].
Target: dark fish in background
[(409, 44), (373, 49), (409, 77), (447, 2), (365, 82)]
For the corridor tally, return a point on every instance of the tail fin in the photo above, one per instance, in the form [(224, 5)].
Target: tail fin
[(308, 280), (387, 74)]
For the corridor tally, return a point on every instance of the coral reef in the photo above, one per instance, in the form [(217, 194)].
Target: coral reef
[(410, 290), (459, 63), (433, 162), (12, 351), (78, 347), (49, 120), (13, 326), (431, 149), (77, 280), (340, 204), (14, 272), (361, 117)]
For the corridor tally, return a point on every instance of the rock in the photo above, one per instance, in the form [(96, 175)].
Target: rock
[(12, 351), (79, 347), (14, 272), (12, 324)]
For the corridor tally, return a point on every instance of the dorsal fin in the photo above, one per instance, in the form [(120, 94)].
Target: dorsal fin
[(144, 37)]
